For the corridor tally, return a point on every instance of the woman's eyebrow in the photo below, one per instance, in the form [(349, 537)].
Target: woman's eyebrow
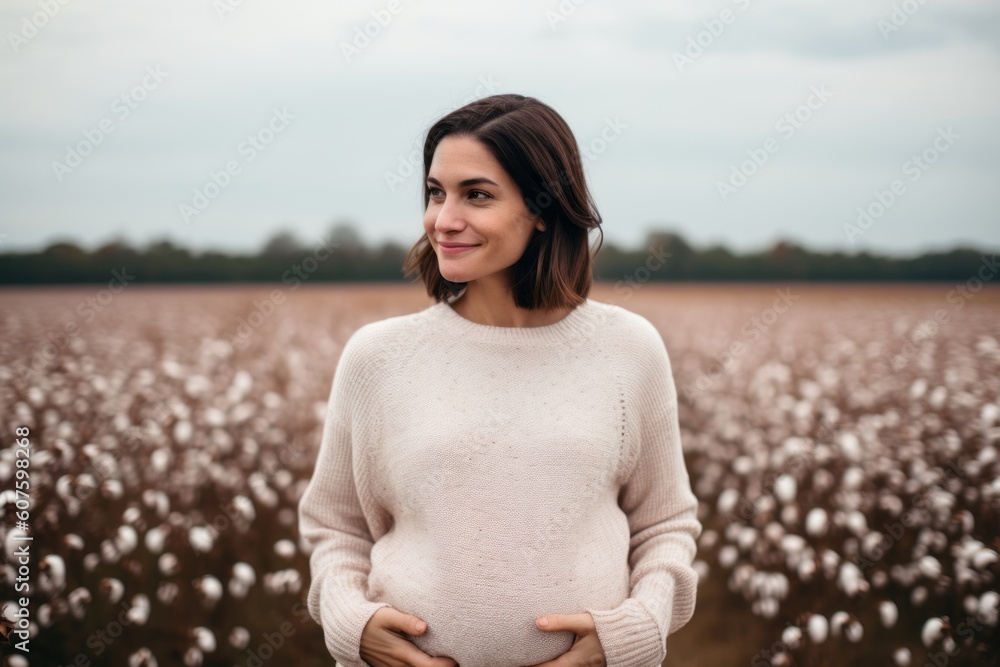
[(466, 182)]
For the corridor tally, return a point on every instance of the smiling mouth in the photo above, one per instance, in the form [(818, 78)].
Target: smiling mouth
[(456, 249)]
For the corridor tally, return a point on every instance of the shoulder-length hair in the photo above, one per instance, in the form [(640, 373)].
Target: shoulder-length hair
[(537, 149)]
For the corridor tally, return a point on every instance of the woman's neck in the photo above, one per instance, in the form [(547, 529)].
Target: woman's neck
[(497, 308)]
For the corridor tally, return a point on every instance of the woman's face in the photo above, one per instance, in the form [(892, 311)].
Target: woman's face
[(474, 203)]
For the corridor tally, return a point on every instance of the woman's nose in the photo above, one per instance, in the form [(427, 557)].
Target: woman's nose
[(448, 218)]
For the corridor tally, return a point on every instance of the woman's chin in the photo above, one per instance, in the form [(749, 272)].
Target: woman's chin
[(457, 276)]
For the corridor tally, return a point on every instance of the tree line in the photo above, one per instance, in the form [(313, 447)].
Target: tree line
[(342, 256)]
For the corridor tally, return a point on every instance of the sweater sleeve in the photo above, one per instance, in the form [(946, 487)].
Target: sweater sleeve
[(332, 523), (662, 517)]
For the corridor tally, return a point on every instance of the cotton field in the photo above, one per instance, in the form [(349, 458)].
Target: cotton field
[(842, 439)]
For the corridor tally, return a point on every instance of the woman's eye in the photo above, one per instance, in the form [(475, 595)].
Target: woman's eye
[(475, 195)]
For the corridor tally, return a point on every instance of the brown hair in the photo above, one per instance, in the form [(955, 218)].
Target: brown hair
[(535, 146)]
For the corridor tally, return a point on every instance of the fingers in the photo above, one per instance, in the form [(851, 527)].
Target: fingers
[(398, 647), (411, 655), (576, 623), (408, 623)]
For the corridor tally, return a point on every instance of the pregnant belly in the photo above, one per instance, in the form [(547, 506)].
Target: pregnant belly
[(480, 607)]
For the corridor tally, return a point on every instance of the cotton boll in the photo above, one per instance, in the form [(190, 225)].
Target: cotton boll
[(201, 538), (818, 628), (984, 558), (51, 574), (138, 613), (930, 567), (78, 600), (781, 659), (856, 523), (727, 501), (851, 580), (155, 539), (284, 548), (204, 639), (727, 556), (708, 539), (142, 658), (746, 538), (193, 657), (239, 637), (989, 414), (785, 488), (790, 515), (126, 539), (91, 561), (209, 589), (169, 564), (111, 589), (816, 522), (167, 592), (888, 613), (792, 637), (853, 631), (807, 569), (837, 622), (934, 630), (989, 608), (766, 607), (702, 569)]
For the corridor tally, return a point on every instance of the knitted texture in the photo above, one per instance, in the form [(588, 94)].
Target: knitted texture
[(480, 476)]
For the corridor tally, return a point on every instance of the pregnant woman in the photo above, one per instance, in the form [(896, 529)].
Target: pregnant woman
[(500, 479)]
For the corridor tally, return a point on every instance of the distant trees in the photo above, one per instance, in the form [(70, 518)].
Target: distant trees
[(342, 255)]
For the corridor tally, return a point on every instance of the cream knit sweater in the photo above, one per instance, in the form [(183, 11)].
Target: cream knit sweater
[(481, 476)]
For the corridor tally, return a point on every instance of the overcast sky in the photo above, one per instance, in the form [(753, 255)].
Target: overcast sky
[(732, 122)]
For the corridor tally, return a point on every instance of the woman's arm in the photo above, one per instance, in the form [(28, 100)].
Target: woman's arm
[(662, 517), (331, 521)]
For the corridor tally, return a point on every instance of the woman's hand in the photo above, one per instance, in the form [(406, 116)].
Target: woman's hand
[(381, 646), (586, 650)]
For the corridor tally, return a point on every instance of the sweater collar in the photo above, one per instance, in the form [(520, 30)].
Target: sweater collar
[(579, 321)]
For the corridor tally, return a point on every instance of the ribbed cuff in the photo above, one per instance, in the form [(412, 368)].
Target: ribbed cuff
[(629, 635), (342, 628)]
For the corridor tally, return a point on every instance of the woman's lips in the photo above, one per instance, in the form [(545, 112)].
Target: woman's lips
[(457, 249)]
